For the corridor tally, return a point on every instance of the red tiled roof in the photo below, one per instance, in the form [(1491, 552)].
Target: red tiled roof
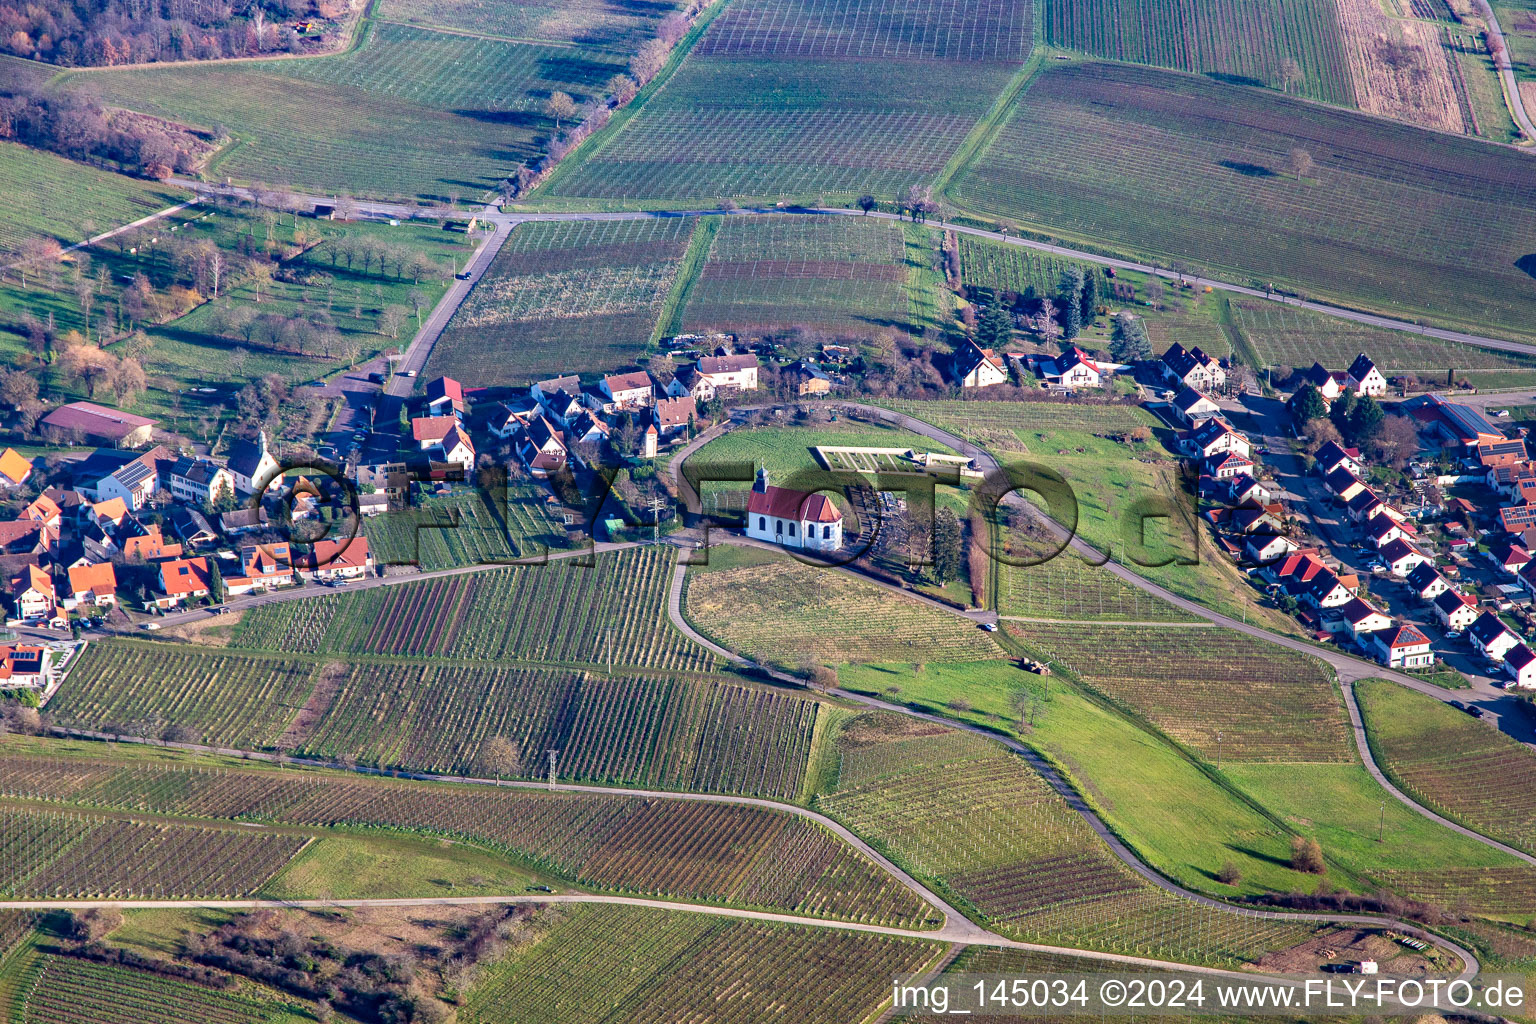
[(786, 503), (20, 659), (1407, 636), (432, 428), (33, 578), (340, 554), (185, 576), (100, 579), (14, 466), (637, 381), (726, 364), (94, 419)]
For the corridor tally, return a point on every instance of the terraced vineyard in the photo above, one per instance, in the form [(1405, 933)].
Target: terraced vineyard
[(785, 612), (1194, 683), (51, 856), (788, 97), (1244, 41), (984, 827), (717, 853), (614, 613), (694, 734), (465, 529), (72, 991), (1200, 174), (1452, 763), (780, 272), (590, 969), (228, 699), (563, 297)]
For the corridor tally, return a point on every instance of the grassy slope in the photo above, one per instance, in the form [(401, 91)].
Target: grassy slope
[(47, 195)]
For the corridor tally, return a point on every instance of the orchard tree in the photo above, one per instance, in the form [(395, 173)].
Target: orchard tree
[(1307, 404)]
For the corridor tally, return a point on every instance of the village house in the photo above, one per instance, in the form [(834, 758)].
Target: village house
[(1520, 665), (672, 416), (1243, 488), (1226, 465), (192, 527), (1193, 407), (445, 397), (1213, 436), (98, 424), (91, 585), (728, 371), (1344, 483), (1329, 590), (134, 480), (345, 559), (1505, 454), (150, 546), (808, 378), (627, 391), (45, 510), (1454, 610), (262, 565), (24, 667), (1265, 548), (1402, 647), (795, 519), (1073, 369), (1491, 636), (1427, 583), (15, 468), (1300, 565), (1329, 383), (1192, 368), (1361, 620), (25, 537), (1514, 481), (244, 520), (1332, 455), (977, 367), (182, 580), (1401, 557), (1508, 557), (200, 481), (1381, 529), (250, 464), (33, 598), (542, 448), (508, 419), (1365, 379)]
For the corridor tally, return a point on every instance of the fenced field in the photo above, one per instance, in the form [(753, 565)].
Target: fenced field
[(224, 698), (1242, 41), (830, 272), (1066, 587), (591, 970), (1340, 232), (566, 297), (1196, 683), (1452, 763), (786, 97), (613, 613)]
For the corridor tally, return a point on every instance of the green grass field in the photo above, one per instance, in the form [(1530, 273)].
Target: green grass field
[(1451, 762), (621, 29), (410, 112), (797, 97), (766, 273), (1235, 40), (564, 298), (48, 196), (1391, 216)]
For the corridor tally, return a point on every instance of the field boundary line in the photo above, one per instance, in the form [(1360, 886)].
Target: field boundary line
[(669, 320), (983, 131), (488, 36)]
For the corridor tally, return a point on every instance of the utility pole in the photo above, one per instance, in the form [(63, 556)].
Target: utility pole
[(1381, 827), (657, 507), (552, 755), (1218, 750)]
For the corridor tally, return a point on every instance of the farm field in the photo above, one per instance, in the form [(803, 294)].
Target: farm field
[(1452, 763), (662, 732), (466, 528), (378, 865), (66, 990), (1066, 587), (705, 852), (618, 28), (223, 698), (767, 273), (809, 97), (1339, 234), (409, 113), (564, 297), (1274, 706), (1039, 430), (786, 613), (54, 855), (613, 613), (607, 965), (1286, 336), (51, 196), (980, 823), (1242, 41)]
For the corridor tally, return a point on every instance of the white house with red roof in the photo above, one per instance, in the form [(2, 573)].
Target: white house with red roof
[(33, 598), (1361, 619), (735, 370), (794, 519), (1454, 609), (977, 367), (94, 584), (15, 468), (347, 558), (23, 667), (1401, 557), (1365, 379), (1074, 368), (262, 565), (1402, 647), (445, 397), (1381, 530), (1520, 664), (628, 390), (182, 579)]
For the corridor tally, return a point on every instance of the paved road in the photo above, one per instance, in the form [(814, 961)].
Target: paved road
[(1507, 72), (502, 217), (94, 239)]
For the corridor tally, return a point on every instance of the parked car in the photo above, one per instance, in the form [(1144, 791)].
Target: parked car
[(1458, 705), (1475, 711), (1454, 634), (990, 627)]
